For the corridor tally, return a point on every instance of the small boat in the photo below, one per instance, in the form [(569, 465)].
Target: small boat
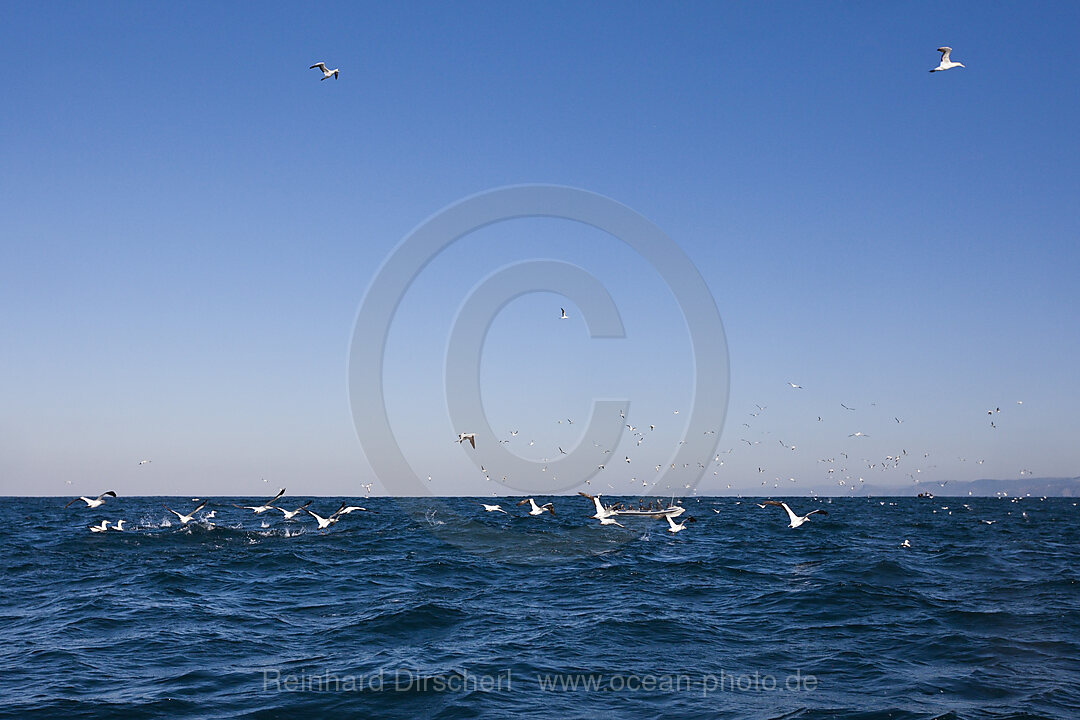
[(671, 511)]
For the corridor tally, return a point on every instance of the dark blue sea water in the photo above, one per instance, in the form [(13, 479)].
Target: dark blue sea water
[(435, 609)]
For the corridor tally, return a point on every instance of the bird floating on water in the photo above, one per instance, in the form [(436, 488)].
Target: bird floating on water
[(325, 72), (100, 528), (946, 63), (94, 502)]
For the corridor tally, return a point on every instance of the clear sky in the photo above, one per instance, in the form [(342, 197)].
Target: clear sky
[(189, 220)]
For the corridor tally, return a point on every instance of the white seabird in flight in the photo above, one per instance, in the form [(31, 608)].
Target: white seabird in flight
[(795, 520), (343, 510), (674, 527), (185, 519), (494, 508), (323, 522), (471, 437), (563, 317), (290, 514), (946, 63), (94, 502), (260, 509), (325, 73), (601, 512), (535, 509)]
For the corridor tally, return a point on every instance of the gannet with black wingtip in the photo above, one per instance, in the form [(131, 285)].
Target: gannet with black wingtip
[(325, 72), (946, 63), (345, 510), (674, 527), (94, 502), (601, 511), (323, 522), (185, 519), (290, 514), (535, 509), (260, 509), (471, 437), (494, 508), (100, 528), (795, 520)]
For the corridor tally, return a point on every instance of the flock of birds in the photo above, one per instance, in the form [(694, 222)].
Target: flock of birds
[(606, 515), (191, 516), (844, 468), (609, 514)]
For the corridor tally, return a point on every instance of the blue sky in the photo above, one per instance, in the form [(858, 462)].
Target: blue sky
[(189, 220)]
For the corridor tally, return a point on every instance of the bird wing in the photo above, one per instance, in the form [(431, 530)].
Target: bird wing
[(201, 506), (320, 65), (271, 500), (549, 507), (304, 505), (790, 513), (75, 500), (472, 441), (816, 511), (944, 53), (524, 501), (108, 493), (172, 511)]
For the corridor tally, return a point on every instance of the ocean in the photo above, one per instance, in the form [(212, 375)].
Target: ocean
[(433, 608)]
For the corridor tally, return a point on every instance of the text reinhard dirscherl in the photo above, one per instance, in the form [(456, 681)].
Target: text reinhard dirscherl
[(407, 680)]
